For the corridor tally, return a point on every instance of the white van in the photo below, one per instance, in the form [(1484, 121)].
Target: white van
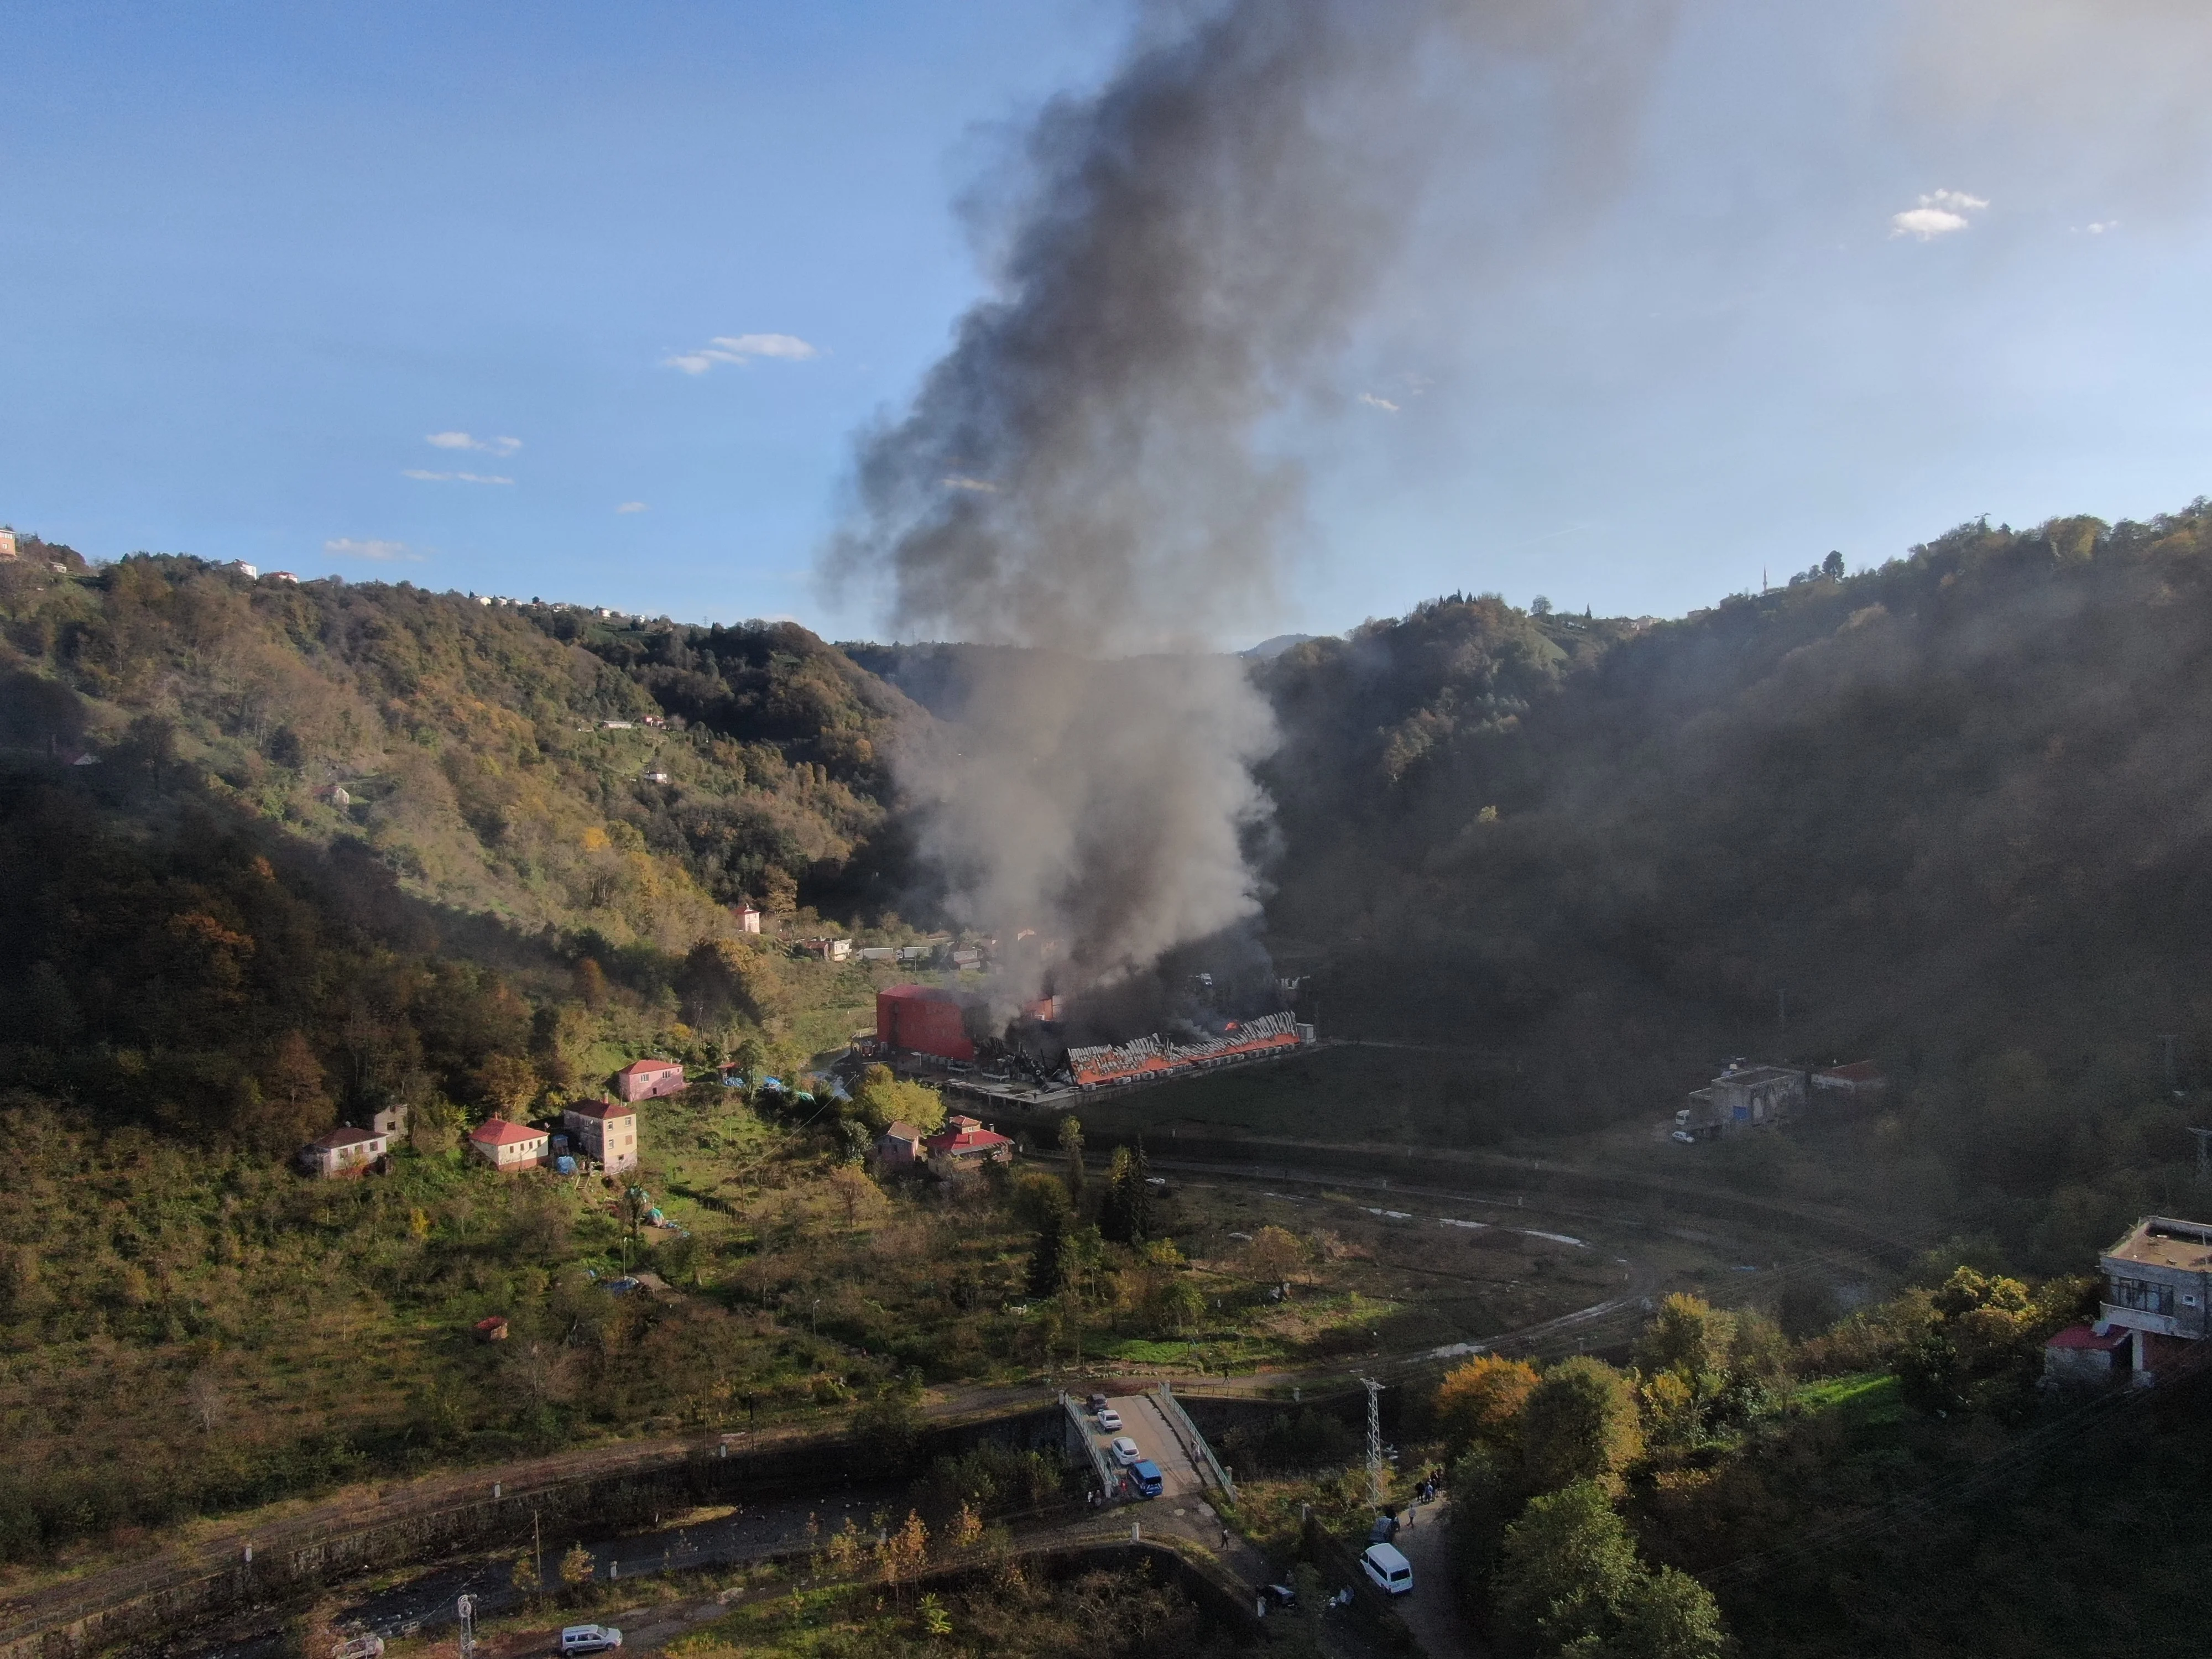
[(1390, 1571), (589, 1638)]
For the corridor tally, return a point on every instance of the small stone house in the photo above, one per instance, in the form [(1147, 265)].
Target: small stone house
[(343, 1152), (509, 1147), (607, 1129), (899, 1146)]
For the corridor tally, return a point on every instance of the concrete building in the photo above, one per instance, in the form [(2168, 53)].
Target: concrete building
[(607, 1129), (649, 1080), (2158, 1288), (508, 1147), (1860, 1078), (825, 950), (7, 545), (343, 1153), (1745, 1097), (389, 1119), (749, 918)]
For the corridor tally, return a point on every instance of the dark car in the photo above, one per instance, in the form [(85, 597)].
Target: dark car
[(1097, 1402), (1278, 1596)]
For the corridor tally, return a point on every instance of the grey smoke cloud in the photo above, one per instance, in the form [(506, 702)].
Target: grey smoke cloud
[(1086, 472)]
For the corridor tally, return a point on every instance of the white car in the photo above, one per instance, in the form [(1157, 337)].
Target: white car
[(1685, 1137), (1124, 1451), (589, 1638), (1390, 1569), (1109, 1420)]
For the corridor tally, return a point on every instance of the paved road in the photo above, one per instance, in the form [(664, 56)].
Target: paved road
[(1432, 1608)]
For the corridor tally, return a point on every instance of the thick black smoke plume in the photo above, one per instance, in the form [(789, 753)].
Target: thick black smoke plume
[(1084, 474)]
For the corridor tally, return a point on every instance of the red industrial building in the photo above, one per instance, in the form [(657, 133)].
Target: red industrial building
[(924, 1019)]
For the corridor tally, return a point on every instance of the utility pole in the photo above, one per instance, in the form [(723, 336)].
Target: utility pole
[(467, 1607), (538, 1550), (1374, 1440)]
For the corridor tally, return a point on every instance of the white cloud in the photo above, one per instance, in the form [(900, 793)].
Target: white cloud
[(1940, 213), (462, 441), (345, 547), (979, 486), (455, 478), (1374, 402), (2097, 227), (633, 506), (742, 348)]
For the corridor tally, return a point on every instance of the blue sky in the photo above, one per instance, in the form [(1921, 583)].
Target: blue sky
[(297, 284)]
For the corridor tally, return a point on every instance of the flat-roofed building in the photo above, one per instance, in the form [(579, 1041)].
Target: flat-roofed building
[(2157, 1285)]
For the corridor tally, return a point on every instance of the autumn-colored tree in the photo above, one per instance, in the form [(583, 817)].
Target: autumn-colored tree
[(905, 1551), (507, 1083), (1274, 1253), (1480, 1402), (577, 1571), (591, 984), (1579, 1424)]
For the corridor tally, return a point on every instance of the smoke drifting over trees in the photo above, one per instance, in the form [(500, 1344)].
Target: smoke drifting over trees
[(1085, 474)]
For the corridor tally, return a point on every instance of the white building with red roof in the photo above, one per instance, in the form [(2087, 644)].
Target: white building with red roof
[(508, 1147), (649, 1080), (607, 1129)]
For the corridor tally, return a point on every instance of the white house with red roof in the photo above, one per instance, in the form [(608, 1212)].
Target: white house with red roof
[(649, 1080), (508, 1147), (607, 1129), (965, 1141)]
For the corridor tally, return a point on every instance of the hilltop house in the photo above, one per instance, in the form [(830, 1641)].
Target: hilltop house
[(509, 1147), (649, 1080), (343, 1152), (749, 918), (607, 1129)]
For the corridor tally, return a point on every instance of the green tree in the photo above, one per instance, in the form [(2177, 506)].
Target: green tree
[(882, 1100), (1485, 1499), (1126, 1215), (1580, 1423), (1070, 1137), (1564, 1569)]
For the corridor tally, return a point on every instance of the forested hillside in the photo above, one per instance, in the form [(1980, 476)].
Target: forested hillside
[(1951, 812), (284, 850)]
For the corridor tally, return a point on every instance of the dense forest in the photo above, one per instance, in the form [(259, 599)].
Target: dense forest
[(1950, 813)]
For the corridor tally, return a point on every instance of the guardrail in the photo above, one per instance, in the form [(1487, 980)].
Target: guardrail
[(1109, 1481), (1193, 1442)]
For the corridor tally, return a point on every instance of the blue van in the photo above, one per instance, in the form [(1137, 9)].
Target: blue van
[(1147, 1475)]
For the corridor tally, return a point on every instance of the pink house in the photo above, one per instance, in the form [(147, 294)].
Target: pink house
[(649, 1080)]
